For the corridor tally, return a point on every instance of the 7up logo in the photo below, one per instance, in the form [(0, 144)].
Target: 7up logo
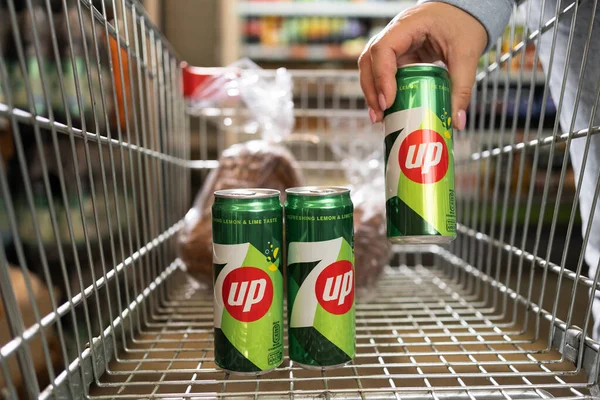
[(423, 156), (247, 293), (335, 287)]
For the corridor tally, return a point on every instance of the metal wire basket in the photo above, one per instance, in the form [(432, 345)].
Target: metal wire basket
[(95, 179)]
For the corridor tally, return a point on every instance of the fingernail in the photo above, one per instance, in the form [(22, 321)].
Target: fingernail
[(462, 120), (382, 102), (372, 116)]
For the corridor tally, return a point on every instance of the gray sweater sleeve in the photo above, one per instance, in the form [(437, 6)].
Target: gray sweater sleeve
[(493, 14)]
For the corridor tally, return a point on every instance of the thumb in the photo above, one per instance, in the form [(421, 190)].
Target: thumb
[(462, 77)]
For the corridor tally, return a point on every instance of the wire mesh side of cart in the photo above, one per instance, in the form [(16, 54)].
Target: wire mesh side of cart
[(93, 184)]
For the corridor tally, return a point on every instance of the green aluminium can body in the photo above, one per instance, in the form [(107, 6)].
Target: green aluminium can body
[(248, 280), (419, 163), (320, 276)]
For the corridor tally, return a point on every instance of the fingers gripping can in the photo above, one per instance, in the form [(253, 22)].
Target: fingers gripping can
[(320, 276), (248, 280), (419, 170)]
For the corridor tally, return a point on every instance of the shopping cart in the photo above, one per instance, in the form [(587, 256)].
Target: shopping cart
[(95, 181)]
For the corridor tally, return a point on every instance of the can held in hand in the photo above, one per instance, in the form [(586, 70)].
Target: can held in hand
[(320, 276), (248, 280), (419, 169)]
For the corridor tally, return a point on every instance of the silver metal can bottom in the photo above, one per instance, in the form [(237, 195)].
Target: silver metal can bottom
[(421, 239), (321, 367)]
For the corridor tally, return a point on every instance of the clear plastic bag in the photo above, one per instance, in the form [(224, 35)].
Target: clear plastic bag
[(362, 158), (256, 163), (372, 250), (264, 98)]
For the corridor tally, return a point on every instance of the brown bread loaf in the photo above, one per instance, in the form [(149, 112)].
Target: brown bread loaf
[(372, 250), (40, 294), (246, 165)]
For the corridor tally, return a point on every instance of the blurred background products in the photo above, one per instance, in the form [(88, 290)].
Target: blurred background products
[(272, 31), (306, 38), (311, 31), (61, 46), (61, 67)]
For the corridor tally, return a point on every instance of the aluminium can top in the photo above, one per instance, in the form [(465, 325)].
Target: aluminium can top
[(247, 193), (424, 65), (317, 191)]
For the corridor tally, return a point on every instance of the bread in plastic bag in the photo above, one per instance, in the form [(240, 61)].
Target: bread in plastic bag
[(362, 158), (251, 164), (36, 294), (372, 250)]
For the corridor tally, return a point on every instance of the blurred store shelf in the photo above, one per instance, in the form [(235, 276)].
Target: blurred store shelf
[(366, 9)]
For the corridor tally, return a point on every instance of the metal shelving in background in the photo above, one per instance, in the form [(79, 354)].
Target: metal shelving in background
[(364, 9)]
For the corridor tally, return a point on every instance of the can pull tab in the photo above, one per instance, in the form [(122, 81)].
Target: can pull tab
[(322, 191), (244, 193)]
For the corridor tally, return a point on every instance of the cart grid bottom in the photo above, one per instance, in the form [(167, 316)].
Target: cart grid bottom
[(425, 335)]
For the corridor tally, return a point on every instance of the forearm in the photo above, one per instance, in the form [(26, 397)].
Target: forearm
[(492, 14)]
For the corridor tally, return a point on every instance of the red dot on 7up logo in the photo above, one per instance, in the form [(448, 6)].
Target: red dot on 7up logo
[(423, 156), (335, 287), (247, 293), (330, 283)]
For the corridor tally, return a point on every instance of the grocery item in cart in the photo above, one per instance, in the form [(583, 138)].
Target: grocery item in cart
[(248, 279), (420, 199), (372, 250), (27, 296), (263, 101), (360, 159), (255, 163), (320, 276)]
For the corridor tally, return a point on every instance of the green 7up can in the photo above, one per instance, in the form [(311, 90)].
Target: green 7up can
[(320, 276), (248, 280), (419, 169)]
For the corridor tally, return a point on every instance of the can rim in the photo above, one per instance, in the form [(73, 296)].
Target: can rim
[(440, 66), (250, 193), (318, 191)]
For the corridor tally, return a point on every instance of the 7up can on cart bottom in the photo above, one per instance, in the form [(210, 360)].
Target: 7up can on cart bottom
[(320, 276), (419, 170), (248, 281)]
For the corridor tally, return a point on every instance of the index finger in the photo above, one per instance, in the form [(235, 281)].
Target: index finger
[(366, 80), (385, 51)]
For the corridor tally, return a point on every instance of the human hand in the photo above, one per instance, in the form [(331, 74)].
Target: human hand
[(428, 33)]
